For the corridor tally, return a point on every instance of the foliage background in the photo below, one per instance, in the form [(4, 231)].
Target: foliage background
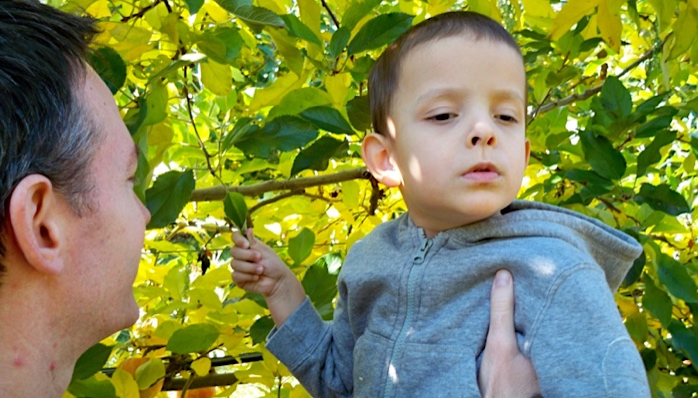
[(252, 112)]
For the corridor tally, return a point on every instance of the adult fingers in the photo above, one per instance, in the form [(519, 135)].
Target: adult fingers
[(501, 329)]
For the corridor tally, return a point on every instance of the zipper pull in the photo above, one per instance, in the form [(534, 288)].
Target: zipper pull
[(423, 250)]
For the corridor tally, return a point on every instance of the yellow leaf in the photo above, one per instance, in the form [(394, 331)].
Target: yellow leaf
[(286, 46), (201, 366), (337, 87), (350, 194), (684, 32), (610, 26), (570, 14), (486, 7), (125, 384), (271, 95), (216, 77)]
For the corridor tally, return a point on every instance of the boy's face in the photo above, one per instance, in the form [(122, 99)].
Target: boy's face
[(457, 139)]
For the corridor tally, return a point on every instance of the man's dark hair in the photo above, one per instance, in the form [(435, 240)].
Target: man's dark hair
[(384, 76), (44, 128)]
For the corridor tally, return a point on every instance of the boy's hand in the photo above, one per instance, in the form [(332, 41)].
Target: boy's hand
[(258, 269), (505, 372)]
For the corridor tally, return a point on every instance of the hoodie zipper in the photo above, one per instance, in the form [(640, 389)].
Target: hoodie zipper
[(399, 346)]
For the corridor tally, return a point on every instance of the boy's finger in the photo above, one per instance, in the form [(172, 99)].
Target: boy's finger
[(502, 310), (240, 240)]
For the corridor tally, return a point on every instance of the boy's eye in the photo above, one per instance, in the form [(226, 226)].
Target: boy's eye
[(442, 117), (506, 118)]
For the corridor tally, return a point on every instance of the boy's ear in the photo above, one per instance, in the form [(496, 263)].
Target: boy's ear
[(35, 221), (376, 151), (528, 151)]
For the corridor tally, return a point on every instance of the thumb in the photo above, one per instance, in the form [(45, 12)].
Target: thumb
[(501, 327)]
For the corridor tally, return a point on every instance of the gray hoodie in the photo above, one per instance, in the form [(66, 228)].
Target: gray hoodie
[(412, 313)]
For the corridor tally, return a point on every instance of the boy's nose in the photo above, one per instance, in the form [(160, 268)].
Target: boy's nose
[(482, 134)]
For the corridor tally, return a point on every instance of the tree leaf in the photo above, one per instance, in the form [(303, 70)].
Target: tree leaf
[(651, 154), (93, 387), (661, 197), (658, 123), (321, 286), (193, 338), (236, 209), (606, 160), (251, 14), (222, 45), (91, 361), (260, 329), (357, 11), (328, 119), (570, 14), (615, 97), (359, 112), (201, 366), (379, 31), (110, 67), (317, 156), (298, 29), (217, 77), (150, 373), (168, 196), (684, 339), (676, 279), (194, 5), (301, 245), (339, 41), (284, 133), (656, 301)]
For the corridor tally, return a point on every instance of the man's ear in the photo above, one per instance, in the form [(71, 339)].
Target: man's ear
[(34, 216), (376, 151)]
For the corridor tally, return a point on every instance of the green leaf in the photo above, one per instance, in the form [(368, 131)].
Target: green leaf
[(656, 301), (301, 245), (260, 329), (156, 104), (328, 119), (359, 112), (193, 338), (663, 198), (317, 156), (339, 41), (636, 323), (222, 45), (649, 128), (168, 196), (684, 339), (635, 271), (615, 97), (91, 361), (284, 133), (298, 29), (194, 5), (357, 11), (606, 160), (236, 209), (110, 67), (320, 284), (251, 14), (92, 388), (676, 279), (242, 127), (380, 31), (149, 373), (652, 154)]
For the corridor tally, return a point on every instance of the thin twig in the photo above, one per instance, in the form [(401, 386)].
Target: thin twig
[(334, 19)]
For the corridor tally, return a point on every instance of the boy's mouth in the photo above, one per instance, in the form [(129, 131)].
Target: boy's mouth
[(482, 172)]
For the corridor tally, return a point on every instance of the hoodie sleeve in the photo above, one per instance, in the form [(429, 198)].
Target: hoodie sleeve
[(579, 345), (318, 353)]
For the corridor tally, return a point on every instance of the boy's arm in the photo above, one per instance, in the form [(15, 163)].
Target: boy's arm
[(579, 344), (257, 268)]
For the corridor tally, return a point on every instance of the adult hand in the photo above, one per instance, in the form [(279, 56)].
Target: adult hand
[(505, 372)]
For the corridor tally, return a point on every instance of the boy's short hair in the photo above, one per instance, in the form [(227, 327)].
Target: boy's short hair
[(385, 73)]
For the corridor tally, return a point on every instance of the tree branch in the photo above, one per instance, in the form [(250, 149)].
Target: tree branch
[(334, 19), (595, 90), (219, 192)]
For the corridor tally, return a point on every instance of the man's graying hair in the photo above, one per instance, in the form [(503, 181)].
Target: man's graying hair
[(44, 129), (384, 76)]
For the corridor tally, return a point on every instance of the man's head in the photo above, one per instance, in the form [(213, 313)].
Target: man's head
[(44, 128), (72, 226), (448, 101)]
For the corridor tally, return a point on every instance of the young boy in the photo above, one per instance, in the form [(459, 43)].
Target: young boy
[(448, 101)]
